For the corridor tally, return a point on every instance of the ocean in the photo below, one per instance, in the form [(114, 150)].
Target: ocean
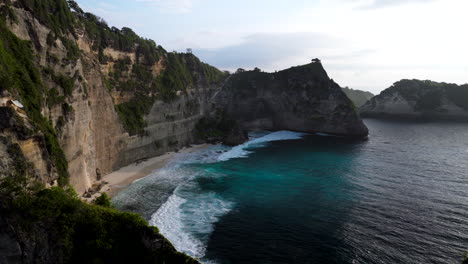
[(284, 197)]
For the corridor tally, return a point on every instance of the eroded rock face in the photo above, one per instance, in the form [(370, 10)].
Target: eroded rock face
[(299, 99), (419, 99), (170, 126)]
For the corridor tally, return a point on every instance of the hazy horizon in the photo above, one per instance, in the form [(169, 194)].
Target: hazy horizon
[(363, 44)]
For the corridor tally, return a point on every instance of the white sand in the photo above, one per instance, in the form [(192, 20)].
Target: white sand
[(122, 178)]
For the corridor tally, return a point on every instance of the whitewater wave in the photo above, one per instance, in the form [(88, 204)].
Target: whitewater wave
[(188, 222), (241, 150), (188, 216)]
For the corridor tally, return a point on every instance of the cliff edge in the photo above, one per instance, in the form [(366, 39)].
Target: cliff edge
[(300, 99)]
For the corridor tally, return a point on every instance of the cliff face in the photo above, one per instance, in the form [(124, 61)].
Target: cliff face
[(419, 99), (170, 125), (111, 97), (300, 99)]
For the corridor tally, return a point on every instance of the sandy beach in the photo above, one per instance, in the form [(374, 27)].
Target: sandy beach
[(122, 178)]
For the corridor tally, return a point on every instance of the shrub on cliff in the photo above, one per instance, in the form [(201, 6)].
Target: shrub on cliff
[(54, 226), (103, 200)]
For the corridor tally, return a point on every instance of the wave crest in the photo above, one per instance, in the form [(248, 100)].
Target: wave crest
[(241, 150)]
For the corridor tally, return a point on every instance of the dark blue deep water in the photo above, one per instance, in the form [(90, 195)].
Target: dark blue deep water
[(399, 197)]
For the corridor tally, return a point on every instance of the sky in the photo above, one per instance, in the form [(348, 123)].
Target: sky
[(363, 44)]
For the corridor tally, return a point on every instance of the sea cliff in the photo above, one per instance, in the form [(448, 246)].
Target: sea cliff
[(416, 99), (300, 99)]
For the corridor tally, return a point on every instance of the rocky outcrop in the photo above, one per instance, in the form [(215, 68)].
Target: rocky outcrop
[(301, 99), (419, 99)]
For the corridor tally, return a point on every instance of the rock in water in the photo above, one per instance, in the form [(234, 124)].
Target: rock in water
[(300, 99)]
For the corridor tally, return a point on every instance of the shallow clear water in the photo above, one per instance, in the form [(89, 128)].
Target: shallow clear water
[(399, 197)]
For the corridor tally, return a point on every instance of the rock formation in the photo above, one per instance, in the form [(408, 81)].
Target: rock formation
[(419, 99), (301, 99)]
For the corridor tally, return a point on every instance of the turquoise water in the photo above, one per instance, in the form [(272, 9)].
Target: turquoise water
[(284, 197)]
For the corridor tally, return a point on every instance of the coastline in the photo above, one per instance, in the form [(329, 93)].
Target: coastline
[(118, 180)]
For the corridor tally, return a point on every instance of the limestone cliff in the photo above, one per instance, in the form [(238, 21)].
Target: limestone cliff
[(111, 97), (301, 98), (419, 99)]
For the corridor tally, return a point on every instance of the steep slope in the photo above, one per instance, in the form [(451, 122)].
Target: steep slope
[(71, 102), (111, 97), (301, 98), (419, 99), (358, 97)]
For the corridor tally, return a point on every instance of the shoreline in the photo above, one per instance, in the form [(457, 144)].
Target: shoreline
[(115, 182)]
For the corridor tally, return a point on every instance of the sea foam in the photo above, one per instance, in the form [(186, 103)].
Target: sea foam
[(241, 150), (188, 216), (188, 222)]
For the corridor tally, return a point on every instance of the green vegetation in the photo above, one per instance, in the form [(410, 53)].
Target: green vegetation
[(19, 75), (125, 39), (132, 113), (183, 71), (243, 80), (66, 83), (215, 127), (7, 12), (458, 95), (358, 97), (55, 14), (54, 98), (428, 94), (73, 52), (103, 200), (67, 230), (55, 225)]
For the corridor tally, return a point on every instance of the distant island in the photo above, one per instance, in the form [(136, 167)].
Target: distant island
[(358, 97), (419, 99)]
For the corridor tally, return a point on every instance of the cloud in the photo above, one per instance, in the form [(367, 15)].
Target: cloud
[(373, 4), (171, 6), (273, 51)]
